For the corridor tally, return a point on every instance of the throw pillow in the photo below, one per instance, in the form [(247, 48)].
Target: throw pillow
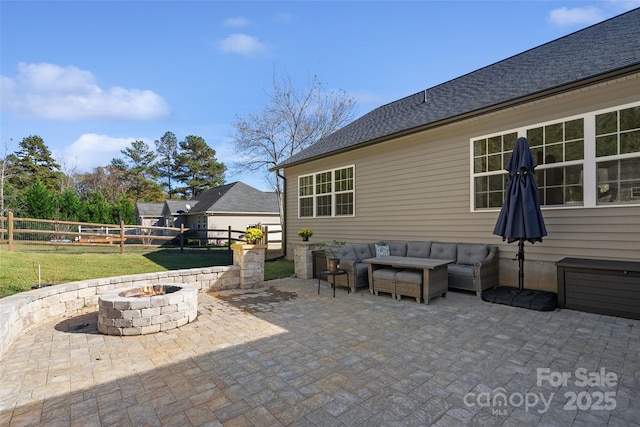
[(382, 250)]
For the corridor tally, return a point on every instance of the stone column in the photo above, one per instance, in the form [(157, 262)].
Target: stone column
[(250, 259), (303, 259)]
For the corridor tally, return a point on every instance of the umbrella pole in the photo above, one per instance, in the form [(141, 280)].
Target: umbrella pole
[(521, 265)]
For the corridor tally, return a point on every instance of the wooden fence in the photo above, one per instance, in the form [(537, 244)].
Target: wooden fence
[(30, 231)]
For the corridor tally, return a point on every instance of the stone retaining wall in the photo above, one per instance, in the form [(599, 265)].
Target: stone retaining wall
[(20, 311)]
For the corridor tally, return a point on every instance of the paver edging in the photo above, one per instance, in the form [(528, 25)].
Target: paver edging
[(23, 310)]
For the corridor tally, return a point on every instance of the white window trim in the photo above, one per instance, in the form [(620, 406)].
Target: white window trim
[(589, 161), (332, 194)]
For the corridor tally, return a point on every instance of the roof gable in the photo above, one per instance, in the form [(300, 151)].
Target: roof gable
[(603, 48), (179, 206)]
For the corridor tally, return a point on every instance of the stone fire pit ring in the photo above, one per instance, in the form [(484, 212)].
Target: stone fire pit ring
[(127, 311)]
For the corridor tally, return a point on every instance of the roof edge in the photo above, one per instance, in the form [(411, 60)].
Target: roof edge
[(486, 110)]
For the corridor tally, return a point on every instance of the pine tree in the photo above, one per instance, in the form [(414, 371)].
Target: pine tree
[(34, 162), (167, 150), (138, 170), (39, 202), (123, 210), (198, 169), (97, 209), (69, 206)]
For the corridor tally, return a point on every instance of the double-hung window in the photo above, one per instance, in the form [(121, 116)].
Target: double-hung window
[(490, 157), (558, 149), (327, 194), (588, 160), (618, 156)]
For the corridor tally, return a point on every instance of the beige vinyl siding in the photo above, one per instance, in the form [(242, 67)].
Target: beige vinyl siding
[(417, 187), (240, 221)]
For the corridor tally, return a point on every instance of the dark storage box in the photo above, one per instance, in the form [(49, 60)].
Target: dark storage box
[(600, 286)]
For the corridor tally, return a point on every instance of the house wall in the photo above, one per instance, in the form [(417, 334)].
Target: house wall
[(417, 187), (236, 222), (240, 222), (150, 221)]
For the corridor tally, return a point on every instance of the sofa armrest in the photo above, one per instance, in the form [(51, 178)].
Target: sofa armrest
[(347, 265), (485, 272)]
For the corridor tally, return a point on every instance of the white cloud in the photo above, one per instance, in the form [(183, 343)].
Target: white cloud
[(238, 22), (589, 15), (53, 92), (92, 150), (576, 16), (242, 44)]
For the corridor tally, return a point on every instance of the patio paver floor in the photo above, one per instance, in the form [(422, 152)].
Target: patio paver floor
[(283, 355)]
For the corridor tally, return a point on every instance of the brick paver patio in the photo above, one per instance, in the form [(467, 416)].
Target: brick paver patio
[(283, 355)]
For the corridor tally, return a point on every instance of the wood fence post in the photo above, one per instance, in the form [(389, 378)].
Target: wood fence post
[(10, 230), (181, 238), (265, 239), (121, 236)]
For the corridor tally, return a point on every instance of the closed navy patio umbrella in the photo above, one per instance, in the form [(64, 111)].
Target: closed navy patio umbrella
[(520, 218)]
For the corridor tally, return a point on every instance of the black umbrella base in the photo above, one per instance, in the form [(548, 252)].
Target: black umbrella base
[(533, 300)]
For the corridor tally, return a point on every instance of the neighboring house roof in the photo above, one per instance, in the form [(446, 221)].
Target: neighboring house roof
[(236, 197), (149, 209), (580, 58)]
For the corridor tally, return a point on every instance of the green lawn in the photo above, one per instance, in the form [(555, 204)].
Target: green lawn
[(19, 270)]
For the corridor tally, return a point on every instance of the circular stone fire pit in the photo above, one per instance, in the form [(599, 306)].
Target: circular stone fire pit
[(146, 310)]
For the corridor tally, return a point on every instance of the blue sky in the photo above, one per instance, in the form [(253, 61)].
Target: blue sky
[(90, 77)]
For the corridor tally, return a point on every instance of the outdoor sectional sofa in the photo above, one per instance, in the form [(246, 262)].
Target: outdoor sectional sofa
[(475, 267)]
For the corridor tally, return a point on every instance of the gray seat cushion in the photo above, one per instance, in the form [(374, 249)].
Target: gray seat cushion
[(346, 253), (361, 269), (470, 253), (418, 249), (443, 251), (385, 273), (397, 248), (409, 276), (461, 270), (363, 251)]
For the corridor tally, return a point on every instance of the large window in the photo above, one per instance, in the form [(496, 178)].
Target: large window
[(327, 193), (490, 157), (558, 149), (617, 159), (589, 160)]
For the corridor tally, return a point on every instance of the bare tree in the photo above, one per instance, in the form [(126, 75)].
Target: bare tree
[(293, 120), (5, 175), (105, 179), (67, 175)]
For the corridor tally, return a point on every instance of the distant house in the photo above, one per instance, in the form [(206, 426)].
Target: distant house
[(236, 205), (149, 214), (431, 166), (175, 212)]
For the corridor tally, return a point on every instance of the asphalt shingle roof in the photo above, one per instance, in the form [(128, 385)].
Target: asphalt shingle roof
[(149, 209), (236, 197), (176, 206), (603, 48)]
